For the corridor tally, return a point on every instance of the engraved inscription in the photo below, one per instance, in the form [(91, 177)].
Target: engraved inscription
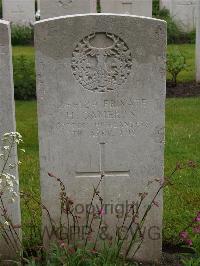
[(101, 62), (64, 3), (104, 118)]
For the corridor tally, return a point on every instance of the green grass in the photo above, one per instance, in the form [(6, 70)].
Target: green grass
[(188, 50), (181, 200), (23, 50), (27, 125), (29, 169)]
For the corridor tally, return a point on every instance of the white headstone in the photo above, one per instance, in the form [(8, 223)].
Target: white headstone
[(183, 12), (56, 8), (198, 42), (20, 12), (134, 7), (38, 5), (7, 123), (101, 105), (165, 4)]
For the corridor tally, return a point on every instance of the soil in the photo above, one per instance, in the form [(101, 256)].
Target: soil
[(171, 256), (183, 89), (168, 259)]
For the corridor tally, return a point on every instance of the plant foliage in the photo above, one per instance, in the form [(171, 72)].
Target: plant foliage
[(22, 35), (175, 64), (24, 77)]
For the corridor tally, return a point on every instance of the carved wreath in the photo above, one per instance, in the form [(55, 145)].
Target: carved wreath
[(101, 69)]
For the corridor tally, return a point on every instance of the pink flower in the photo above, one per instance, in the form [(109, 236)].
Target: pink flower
[(188, 242), (63, 244), (196, 229), (183, 235), (197, 218), (101, 212)]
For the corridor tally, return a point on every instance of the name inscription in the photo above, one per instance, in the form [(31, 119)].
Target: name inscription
[(104, 118)]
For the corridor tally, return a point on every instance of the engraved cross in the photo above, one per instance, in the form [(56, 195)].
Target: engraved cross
[(98, 174)]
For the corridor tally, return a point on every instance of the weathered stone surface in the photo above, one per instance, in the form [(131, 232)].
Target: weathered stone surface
[(134, 7), (101, 105), (182, 11), (165, 4), (7, 119), (20, 12), (198, 43), (56, 8)]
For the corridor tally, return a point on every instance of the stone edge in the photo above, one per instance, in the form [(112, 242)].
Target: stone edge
[(98, 14), (5, 22)]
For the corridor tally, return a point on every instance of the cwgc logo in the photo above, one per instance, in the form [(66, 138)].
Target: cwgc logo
[(64, 3), (101, 62)]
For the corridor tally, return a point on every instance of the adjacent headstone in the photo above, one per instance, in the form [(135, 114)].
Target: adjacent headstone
[(56, 8), (134, 7), (165, 4), (198, 42), (20, 12), (182, 11), (7, 124), (101, 105), (38, 4)]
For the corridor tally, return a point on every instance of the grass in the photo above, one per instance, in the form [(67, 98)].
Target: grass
[(27, 125), (23, 50), (188, 50), (181, 200), (29, 169)]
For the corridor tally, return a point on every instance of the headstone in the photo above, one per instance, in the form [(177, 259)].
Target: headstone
[(183, 12), (134, 7), (101, 104), (165, 4), (56, 8), (7, 123), (20, 12), (38, 4), (198, 42)]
